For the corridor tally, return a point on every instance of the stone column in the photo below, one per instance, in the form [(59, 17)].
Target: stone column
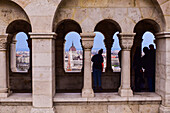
[(43, 72), (13, 56), (87, 42), (109, 44), (4, 77), (126, 42), (163, 70)]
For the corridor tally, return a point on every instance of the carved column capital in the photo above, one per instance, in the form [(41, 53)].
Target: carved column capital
[(126, 40), (87, 40), (3, 42), (108, 43)]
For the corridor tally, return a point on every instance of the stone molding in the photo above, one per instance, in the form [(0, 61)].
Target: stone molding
[(3, 42), (126, 40), (42, 35), (14, 41), (3, 90), (87, 40), (163, 35)]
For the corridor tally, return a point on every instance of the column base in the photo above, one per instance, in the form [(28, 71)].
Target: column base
[(108, 70), (87, 93), (42, 110), (14, 69), (4, 93), (125, 92), (163, 109)]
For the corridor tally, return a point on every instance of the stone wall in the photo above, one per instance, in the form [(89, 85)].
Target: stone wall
[(21, 82), (73, 82), (107, 108), (69, 82), (98, 107)]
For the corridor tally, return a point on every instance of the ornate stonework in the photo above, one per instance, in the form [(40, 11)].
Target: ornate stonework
[(3, 41), (87, 40), (126, 40)]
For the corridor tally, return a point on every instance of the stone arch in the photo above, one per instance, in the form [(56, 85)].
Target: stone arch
[(66, 26), (18, 26), (147, 25), (25, 78), (108, 28), (140, 28), (126, 12), (11, 12), (64, 79)]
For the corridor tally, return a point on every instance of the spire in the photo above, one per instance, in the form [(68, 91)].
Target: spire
[(72, 43)]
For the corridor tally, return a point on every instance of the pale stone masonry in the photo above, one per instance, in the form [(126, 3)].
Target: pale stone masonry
[(43, 71), (4, 87), (47, 22), (126, 42), (87, 42)]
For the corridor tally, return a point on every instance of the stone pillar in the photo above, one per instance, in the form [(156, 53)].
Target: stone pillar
[(43, 72), (13, 56), (109, 44), (126, 42), (87, 42), (4, 77), (163, 70)]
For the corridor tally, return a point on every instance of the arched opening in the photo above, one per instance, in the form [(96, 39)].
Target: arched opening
[(110, 79), (115, 54), (67, 81), (73, 55), (22, 53), (143, 57), (19, 54), (97, 45)]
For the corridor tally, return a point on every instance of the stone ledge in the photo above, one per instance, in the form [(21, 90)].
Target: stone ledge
[(106, 97), (18, 97), (76, 97)]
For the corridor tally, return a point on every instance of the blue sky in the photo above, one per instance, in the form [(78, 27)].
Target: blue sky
[(22, 44), (74, 38)]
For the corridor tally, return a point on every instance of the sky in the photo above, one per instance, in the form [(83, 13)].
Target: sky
[(73, 37)]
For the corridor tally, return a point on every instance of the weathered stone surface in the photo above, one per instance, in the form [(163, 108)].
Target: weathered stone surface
[(148, 108), (166, 8), (42, 110), (15, 109)]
